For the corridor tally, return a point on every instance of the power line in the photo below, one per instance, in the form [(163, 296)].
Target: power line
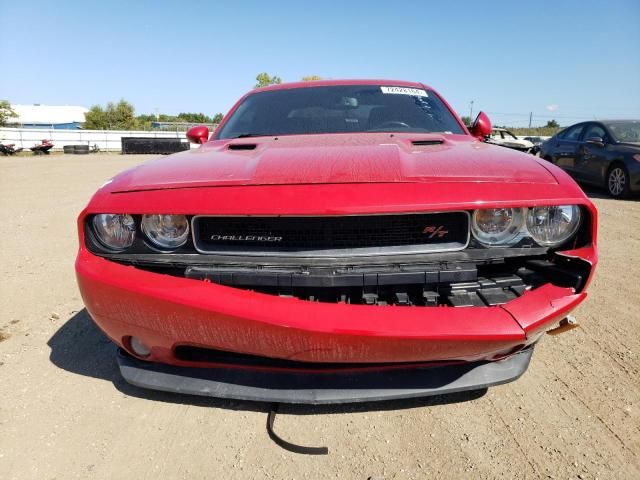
[(576, 117)]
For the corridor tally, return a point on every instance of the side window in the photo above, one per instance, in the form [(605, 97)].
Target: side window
[(573, 133), (595, 130)]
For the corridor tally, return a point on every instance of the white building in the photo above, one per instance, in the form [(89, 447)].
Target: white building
[(48, 116)]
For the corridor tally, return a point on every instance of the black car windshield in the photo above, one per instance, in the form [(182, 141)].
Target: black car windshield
[(339, 109), (627, 131)]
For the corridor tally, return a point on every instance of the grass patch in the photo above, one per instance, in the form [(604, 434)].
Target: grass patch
[(535, 131)]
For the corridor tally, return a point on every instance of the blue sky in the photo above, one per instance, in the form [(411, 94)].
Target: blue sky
[(569, 60)]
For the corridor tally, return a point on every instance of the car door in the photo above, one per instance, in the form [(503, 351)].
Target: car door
[(592, 159), (566, 148)]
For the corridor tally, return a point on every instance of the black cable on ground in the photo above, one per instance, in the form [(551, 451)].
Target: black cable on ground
[(287, 445)]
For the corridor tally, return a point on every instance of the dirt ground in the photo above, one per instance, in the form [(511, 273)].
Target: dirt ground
[(66, 413)]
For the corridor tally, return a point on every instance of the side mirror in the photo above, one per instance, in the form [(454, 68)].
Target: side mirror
[(481, 126), (198, 134), (595, 141)]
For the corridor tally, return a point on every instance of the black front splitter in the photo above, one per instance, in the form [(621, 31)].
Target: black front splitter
[(323, 388)]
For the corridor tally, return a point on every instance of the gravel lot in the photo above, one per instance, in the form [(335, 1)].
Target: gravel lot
[(66, 413)]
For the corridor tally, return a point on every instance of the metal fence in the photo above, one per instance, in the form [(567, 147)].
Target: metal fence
[(106, 140)]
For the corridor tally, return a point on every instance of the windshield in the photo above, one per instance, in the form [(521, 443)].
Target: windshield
[(339, 109), (625, 131), (509, 134)]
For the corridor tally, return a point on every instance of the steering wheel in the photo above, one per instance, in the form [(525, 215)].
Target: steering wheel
[(393, 123)]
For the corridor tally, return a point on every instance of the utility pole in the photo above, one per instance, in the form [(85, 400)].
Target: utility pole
[(530, 117), (471, 112)]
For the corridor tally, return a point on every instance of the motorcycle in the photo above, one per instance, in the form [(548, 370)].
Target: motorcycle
[(9, 149)]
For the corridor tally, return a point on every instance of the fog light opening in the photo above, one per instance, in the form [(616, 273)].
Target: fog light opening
[(139, 347)]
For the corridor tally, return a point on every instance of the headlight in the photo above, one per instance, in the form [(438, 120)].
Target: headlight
[(497, 226), (114, 231), (166, 231), (552, 226)]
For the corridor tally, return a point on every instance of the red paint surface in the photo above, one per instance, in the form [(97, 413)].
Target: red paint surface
[(337, 158), (166, 310)]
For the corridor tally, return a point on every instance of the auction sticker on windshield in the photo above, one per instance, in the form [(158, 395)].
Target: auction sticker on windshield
[(404, 91)]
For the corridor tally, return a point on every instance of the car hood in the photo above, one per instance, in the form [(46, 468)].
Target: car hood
[(339, 158)]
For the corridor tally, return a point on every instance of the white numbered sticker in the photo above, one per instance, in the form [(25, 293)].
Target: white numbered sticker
[(404, 91)]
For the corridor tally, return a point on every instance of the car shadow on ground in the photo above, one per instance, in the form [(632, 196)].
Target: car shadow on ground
[(80, 347), (600, 193)]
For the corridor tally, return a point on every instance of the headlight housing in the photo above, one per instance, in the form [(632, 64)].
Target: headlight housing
[(166, 231), (548, 226), (554, 225), (114, 231), (497, 226)]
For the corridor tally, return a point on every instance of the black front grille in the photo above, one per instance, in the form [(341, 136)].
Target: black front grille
[(442, 231)]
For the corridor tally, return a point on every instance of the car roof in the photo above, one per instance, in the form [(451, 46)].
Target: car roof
[(331, 83)]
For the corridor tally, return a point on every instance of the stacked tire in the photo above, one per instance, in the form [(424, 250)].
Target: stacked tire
[(76, 149), (81, 149)]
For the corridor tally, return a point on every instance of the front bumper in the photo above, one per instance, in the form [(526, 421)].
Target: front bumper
[(355, 385), (167, 312), (220, 308)]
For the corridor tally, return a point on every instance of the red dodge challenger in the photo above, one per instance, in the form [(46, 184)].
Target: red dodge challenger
[(335, 241)]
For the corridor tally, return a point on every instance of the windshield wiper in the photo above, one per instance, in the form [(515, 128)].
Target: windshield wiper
[(247, 135)]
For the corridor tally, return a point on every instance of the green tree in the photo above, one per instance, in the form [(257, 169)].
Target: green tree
[(6, 112), (194, 118), (96, 118), (122, 115), (115, 116), (146, 118), (310, 78), (167, 118), (466, 119), (552, 124), (144, 121), (263, 79)]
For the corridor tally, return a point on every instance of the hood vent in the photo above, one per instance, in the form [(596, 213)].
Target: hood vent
[(423, 143), (242, 146)]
